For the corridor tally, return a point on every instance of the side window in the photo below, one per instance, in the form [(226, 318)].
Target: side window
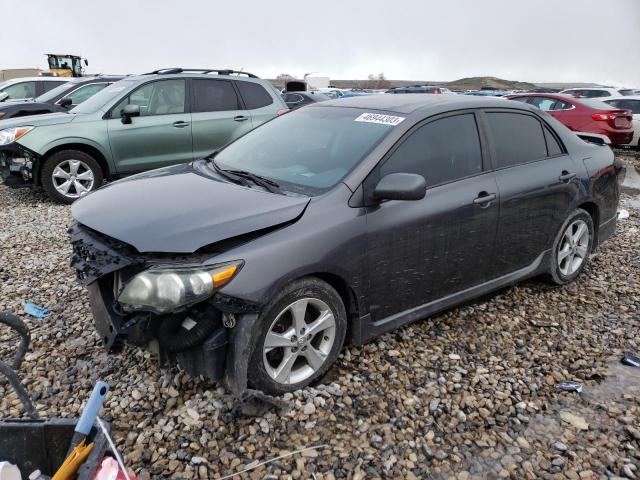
[(441, 151), (521, 99), (518, 138), (21, 90), (46, 86), (553, 147), (560, 105), (293, 98), (156, 98), (254, 95), (543, 103), (214, 96), (84, 92)]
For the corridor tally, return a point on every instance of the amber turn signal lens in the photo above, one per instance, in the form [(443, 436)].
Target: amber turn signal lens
[(222, 277)]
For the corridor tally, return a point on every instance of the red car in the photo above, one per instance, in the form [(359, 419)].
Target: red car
[(584, 114)]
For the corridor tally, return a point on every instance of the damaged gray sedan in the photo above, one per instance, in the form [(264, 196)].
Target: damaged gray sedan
[(335, 223)]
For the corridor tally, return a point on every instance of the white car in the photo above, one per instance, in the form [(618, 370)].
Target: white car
[(630, 102), (592, 92), (28, 87)]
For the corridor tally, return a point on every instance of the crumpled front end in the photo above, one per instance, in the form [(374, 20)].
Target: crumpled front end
[(18, 168), (195, 336)]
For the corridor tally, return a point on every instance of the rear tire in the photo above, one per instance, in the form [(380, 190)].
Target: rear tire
[(70, 174), (572, 247), (297, 337)]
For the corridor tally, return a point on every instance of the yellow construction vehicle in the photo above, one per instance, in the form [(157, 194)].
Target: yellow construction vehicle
[(65, 65)]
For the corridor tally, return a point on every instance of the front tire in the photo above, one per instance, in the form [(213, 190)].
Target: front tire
[(70, 174), (571, 247), (298, 337)]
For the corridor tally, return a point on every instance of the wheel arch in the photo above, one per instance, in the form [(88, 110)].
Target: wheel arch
[(83, 147), (592, 209)]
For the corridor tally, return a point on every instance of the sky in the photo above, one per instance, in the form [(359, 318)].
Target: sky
[(535, 40)]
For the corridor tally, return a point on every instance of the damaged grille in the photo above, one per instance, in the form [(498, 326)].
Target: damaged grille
[(96, 255)]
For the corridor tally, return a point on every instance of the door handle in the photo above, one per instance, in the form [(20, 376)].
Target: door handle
[(180, 124), (240, 118), (484, 197), (566, 176)]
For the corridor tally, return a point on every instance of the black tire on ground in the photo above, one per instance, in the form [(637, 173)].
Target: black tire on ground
[(309, 287), (61, 158), (555, 273)]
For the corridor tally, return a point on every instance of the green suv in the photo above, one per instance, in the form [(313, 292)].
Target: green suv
[(139, 123)]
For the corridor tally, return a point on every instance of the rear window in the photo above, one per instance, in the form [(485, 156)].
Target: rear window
[(598, 104), (518, 138), (214, 96), (254, 95)]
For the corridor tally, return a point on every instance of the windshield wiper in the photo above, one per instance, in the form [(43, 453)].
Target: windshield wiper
[(236, 175), (226, 174)]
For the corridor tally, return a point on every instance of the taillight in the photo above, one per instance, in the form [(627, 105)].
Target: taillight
[(603, 117), (282, 111)]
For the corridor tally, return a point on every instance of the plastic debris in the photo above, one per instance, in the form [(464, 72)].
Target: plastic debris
[(34, 310), (630, 360), (110, 470), (569, 386), (9, 471), (622, 214)]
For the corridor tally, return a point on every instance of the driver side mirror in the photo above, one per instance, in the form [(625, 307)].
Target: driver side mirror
[(66, 102), (128, 112), (3, 96), (401, 186)]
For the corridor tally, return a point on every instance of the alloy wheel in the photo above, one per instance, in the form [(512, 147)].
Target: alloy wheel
[(573, 247), (299, 341), (72, 178)]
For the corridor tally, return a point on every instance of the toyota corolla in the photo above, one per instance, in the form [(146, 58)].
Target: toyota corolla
[(337, 223)]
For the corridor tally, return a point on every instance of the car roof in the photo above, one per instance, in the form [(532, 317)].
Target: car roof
[(410, 102), (30, 79), (194, 74), (607, 89)]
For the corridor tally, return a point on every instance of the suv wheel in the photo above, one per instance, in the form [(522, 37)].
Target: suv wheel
[(70, 174), (298, 337), (572, 247)]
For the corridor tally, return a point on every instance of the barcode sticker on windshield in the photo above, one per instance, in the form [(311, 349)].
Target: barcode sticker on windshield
[(379, 118)]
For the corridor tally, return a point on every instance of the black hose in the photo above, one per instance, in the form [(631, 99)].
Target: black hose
[(20, 327), (19, 389)]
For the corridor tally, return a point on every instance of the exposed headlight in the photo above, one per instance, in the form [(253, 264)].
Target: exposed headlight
[(10, 135), (163, 289)]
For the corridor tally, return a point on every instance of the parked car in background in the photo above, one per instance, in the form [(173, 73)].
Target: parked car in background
[(337, 223), (148, 121), (331, 92), (595, 92), (28, 87), (629, 91), (300, 99), (59, 99), (631, 103), (419, 89), (584, 114)]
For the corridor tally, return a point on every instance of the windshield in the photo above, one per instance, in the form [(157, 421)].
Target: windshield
[(51, 94), (104, 97), (309, 150)]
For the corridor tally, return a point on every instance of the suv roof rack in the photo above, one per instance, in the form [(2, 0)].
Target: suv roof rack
[(167, 71)]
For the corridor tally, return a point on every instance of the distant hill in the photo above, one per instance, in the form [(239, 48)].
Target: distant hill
[(476, 83)]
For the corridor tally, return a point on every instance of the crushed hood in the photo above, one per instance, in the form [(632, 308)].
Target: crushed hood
[(179, 210)]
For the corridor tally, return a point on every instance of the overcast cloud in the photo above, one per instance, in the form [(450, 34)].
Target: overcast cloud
[(537, 41)]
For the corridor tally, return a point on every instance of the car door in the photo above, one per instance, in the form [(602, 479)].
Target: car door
[(217, 115), (160, 136), (419, 251), (537, 182)]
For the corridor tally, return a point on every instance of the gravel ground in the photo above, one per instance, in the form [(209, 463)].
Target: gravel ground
[(466, 394)]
